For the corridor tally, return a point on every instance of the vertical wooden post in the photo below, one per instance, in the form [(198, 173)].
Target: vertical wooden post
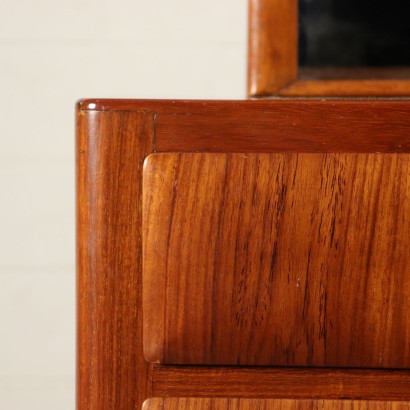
[(111, 146), (272, 46)]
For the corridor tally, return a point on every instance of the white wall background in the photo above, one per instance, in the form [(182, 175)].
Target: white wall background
[(51, 54)]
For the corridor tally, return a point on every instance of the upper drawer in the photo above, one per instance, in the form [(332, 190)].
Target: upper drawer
[(277, 259)]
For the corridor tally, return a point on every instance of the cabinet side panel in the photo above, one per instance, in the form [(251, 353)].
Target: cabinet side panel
[(111, 372)]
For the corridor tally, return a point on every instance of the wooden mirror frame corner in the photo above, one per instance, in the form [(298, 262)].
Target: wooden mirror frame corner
[(273, 61)]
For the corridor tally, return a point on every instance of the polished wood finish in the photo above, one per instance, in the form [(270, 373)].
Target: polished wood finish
[(272, 55), (172, 403), (111, 146), (358, 88), (114, 137), (273, 66), (253, 259), (280, 125), (264, 382)]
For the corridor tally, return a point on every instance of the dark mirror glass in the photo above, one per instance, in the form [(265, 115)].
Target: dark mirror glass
[(354, 33)]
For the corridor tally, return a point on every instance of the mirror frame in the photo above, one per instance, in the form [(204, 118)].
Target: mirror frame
[(273, 68)]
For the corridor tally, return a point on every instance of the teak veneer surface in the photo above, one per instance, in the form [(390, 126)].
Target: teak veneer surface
[(280, 382), (277, 259), (269, 404), (111, 371), (113, 139), (281, 125)]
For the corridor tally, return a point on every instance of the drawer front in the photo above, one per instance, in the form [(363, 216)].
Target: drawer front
[(277, 259), (172, 403)]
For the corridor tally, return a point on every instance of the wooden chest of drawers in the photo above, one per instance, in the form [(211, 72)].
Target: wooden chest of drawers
[(267, 240)]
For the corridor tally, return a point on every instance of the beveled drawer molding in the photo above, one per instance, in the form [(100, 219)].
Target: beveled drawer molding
[(277, 259)]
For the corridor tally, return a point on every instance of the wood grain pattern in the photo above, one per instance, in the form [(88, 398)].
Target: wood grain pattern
[(277, 259), (267, 382), (171, 403), (111, 371), (283, 125), (272, 45), (113, 138)]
